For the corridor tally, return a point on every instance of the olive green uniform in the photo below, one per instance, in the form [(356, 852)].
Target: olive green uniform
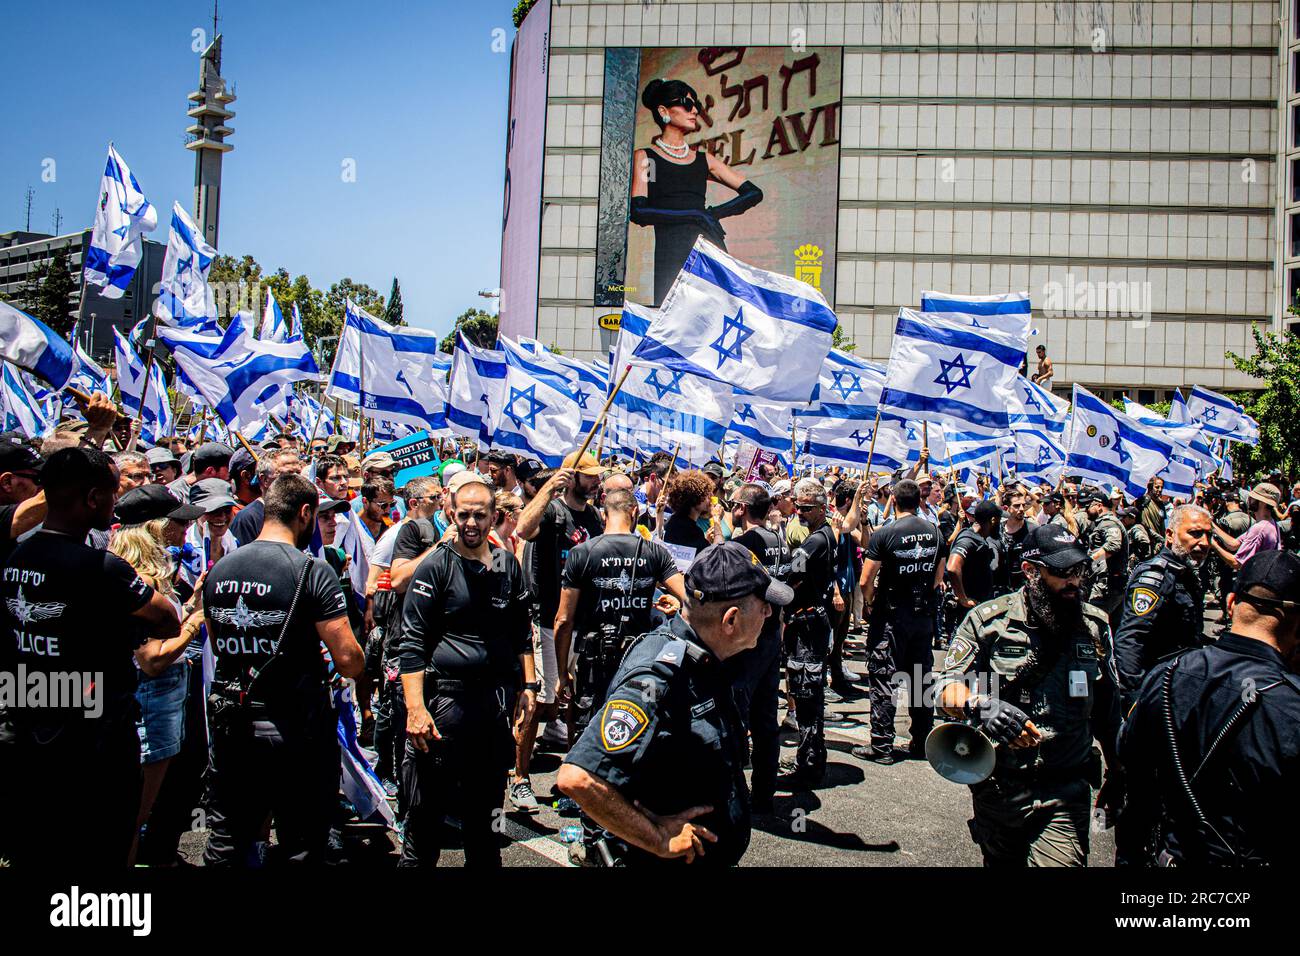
[(1035, 808)]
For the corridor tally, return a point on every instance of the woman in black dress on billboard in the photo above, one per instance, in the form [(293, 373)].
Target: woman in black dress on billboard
[(669, 181)]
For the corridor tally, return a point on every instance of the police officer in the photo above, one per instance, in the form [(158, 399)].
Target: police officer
[(1108, 548), (900, 579), (1050, 654), (662, 770), (807, 635), (758, 688), (1212, 742), (274, 730), (464, 645), (1163, 609), (1139, 542)]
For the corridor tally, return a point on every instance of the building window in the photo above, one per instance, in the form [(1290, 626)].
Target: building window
[(1292, 285), (1295, 234), (1146, 396), (1295, 180)]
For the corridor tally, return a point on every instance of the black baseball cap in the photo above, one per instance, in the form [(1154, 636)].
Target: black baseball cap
[(152, 501), (17, 455), (241, 460), (1277, 572), (327, 505), (1055, 498), (211, 454), (723, 572), (986, 511), (528, 469), (1054, 546), (1090, 494)]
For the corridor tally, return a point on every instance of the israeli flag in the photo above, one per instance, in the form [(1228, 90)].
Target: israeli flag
[(32, 345), (390, 374), (310, 417), (848, 442), (1039, 454), (1220, 415), (1109, 447), (847, 387), (1034, 407), (1178, 411), (1191, 445), (941, 369), (765, 333), (89, 376), (185, 298), (156, 420), (975, 449), (22, 410), (659, 408), (765, 424), (540, 415), (274, 328), (588, 386), (237, 373), (1007, 311), (122, 218), (477, 391), (215, 431), (359, 783)]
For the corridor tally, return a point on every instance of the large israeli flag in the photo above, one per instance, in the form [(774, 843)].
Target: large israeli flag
[(765, 333), (1220, 415), (765, 424), (943, 370), (1110, 448), (848, 442), (1191, 445), (658, 407), (89, 376), (540, 415), (1007, 311), (238, 373), (477, 391), (185, 298), (22, 410), (847, 387), (156, 419), (589, 386), (32, 345), (122, 218), (390, 374), (1039, 454), (1034, 407)]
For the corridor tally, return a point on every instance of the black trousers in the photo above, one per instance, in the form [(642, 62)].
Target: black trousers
[(83, 814), (757, 694), (259, 770), (591, 681), (807, 641), (463, 774), (899, 641)]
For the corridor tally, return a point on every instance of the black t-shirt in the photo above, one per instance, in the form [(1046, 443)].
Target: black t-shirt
[(246, 600), (67, 609), (466, 621), (247, 525), (980, 566), (616, 575), (1010, 576), (561, 530), (7, 542), (907, 550), (771, 550), (414, 538), (812, 570)]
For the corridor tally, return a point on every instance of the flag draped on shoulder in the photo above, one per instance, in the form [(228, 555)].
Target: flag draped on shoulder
[(391, 374), (122, 217), (1111, 448), (762, 332), (539, 415), (185, 298), (477, 391), (32, 345), (942, 368)]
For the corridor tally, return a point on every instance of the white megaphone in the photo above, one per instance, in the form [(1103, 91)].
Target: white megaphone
[(960, 753)]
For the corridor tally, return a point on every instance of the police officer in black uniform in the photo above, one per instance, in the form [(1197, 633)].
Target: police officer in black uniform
[(1163, 609), (662, 770), (1107, 545), (807, 635), (900, 580), (464, 647), (1213, 744), (274, 731), (758, 687)]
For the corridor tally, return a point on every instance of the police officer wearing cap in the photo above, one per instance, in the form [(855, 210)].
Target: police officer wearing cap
[(1213, 741), (662, 769), (1043, 658), (1163, 610), (1107, 545)]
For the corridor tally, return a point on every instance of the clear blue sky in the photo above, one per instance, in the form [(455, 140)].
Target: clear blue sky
[(412, 91)]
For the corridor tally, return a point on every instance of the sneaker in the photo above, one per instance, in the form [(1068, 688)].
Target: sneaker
[(848, 677), (522, 797), (832, 696), (886, 759)]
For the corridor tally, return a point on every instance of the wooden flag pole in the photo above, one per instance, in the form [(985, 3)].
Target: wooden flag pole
[(603, 412), (244, 441), (203, 427), (871, 451)]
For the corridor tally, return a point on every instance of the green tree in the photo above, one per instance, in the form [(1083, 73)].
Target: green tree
[(841, 341), (479, 327), (48, 292), (393, 313), (521, 10), (360, 294), (1276, 363)]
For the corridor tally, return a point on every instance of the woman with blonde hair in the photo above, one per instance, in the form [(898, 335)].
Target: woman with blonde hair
[(151, 523)]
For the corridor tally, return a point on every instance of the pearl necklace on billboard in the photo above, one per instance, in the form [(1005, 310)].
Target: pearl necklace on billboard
[(676, 152)]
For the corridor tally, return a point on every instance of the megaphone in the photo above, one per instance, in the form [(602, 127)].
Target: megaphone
[(960, 753)]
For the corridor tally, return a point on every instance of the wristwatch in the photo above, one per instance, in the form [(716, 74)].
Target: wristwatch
[(534, 685)]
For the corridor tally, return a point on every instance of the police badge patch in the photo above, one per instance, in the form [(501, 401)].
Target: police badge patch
[(959, 652), (621, 723), (1144, 599)]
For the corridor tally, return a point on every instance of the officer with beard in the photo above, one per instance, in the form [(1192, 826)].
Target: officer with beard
[(1163, 608), (1046, 658)]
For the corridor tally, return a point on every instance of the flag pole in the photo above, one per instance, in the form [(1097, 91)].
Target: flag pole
[(603, 412), (871, 452), (203, 427), (144, 389), (244, 441)]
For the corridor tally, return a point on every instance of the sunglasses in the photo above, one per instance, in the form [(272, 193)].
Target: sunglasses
[(1074, 571), (686, 103), (803, 509)]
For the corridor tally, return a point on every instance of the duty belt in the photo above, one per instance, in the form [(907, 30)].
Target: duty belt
[(433, 684)]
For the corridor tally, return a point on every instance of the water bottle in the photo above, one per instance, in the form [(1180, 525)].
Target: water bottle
[(571, 834)]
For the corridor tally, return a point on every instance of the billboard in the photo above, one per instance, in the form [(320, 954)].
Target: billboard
[(739, 144), (521, 218)]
